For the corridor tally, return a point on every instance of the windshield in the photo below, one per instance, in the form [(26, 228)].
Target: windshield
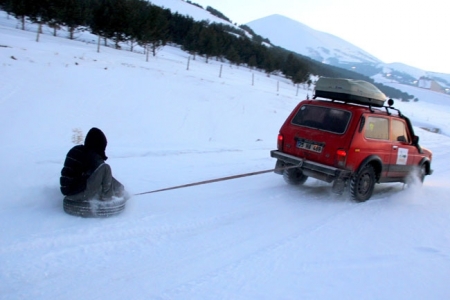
[(322, 118)]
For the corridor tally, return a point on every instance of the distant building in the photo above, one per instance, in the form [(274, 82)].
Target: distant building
[(430, 84)]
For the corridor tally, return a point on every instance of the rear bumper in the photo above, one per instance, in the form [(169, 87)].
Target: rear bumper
[(309, 168)]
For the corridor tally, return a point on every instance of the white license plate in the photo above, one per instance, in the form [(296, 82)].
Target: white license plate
[(309, 146)]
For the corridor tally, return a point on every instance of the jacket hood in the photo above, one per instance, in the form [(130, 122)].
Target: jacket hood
[(96, 141)]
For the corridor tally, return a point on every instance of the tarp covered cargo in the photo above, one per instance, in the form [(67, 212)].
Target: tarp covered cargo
[(349, 90)]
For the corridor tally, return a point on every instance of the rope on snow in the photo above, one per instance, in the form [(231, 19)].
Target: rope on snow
[(215, 180)]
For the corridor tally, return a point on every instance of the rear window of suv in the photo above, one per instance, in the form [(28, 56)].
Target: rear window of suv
[(322, 118)]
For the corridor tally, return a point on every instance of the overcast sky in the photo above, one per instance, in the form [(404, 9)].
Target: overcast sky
[(409, 31)]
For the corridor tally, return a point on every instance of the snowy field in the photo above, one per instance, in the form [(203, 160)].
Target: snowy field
[(249, 238)]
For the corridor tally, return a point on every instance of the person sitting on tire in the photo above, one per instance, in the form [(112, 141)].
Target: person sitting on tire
[(85, 175)]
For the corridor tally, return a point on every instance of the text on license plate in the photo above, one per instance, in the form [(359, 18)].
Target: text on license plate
[(309, 146)]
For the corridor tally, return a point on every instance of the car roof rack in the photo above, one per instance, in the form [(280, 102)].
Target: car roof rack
[(349, 91)]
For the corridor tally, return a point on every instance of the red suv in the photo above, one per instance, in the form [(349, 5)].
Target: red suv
[(351, 140)]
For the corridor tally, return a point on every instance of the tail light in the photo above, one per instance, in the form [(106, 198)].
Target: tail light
[(280, 142), (341, 157)]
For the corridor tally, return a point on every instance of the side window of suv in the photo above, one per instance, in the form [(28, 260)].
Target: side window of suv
[(377, 128), (399, 132)]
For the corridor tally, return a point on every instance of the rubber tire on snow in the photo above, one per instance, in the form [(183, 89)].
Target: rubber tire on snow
[(294, 176), (422, 172), (417, 176), (94, 208), (362, 184)]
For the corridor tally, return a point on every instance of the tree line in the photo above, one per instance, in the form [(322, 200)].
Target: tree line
[(138, 22), (141, 23)]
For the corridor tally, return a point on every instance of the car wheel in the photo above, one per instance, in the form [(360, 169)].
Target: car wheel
[(362, 184), (422, 172), (417, 176), (94, 208), (294, 176)]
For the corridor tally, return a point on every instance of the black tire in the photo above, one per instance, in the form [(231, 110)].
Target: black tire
[(422, 172), (362, 184), (94, 208), (294, 176), (417, 176)]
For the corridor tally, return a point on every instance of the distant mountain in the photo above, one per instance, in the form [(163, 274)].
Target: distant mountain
[(320, 46), (329, 49)]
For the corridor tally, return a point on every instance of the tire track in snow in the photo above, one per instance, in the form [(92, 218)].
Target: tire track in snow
[(45, 253), (259, 254), (112, 231), (373, 260)]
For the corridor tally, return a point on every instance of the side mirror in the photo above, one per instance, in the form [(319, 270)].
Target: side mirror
[(401, 139), (415, 140)]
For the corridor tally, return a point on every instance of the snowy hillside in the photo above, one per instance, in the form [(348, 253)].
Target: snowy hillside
[(249, 238), (329, 49), (187, 9), (414, 72), (297, 37), (321, 46)]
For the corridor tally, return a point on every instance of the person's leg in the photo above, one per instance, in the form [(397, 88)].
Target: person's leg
[(99, 184), (102, 185), (77, 197), (118, 188)]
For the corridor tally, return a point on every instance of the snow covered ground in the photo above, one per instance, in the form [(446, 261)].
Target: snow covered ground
[(249, 238)]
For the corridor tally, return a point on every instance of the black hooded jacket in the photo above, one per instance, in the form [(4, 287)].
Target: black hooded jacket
[(81, 161)]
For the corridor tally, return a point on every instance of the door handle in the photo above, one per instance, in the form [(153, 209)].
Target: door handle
[(395, 147)]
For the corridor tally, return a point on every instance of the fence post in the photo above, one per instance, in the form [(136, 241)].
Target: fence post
[(188, 62), (220, 72)]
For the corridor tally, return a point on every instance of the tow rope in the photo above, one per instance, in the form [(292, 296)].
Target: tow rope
[(216, 180)]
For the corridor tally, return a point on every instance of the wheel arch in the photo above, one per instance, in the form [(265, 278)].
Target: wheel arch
[(426, 161), (376, 163)]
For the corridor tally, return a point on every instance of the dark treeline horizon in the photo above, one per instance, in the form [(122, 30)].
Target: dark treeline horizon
[(151, 27)]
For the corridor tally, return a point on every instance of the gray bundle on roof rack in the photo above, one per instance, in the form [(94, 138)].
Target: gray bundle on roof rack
[(349, 90)]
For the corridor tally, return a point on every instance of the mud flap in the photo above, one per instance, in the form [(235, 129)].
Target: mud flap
[(338, 186)]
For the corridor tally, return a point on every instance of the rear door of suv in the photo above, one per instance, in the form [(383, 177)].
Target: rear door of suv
[(373, 141), (317, 131)]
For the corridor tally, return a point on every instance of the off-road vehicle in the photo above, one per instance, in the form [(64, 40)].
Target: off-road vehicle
[(351, 139)]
